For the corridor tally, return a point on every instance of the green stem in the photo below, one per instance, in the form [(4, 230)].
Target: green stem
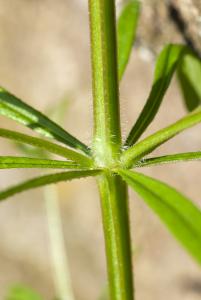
[(59, 260), (107, 134), (106, 147), (114, 204)]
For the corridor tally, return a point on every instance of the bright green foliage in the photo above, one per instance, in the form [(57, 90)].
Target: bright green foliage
[(110, 160), (57, 114), (22, 293), (189, 74), (165, 67), (126, 31), (45, 145), (45, 180), (16, 109), (180, 215), (174, 158), (11, 162), (153, 141)]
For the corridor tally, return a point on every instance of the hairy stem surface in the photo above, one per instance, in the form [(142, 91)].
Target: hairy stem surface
[(114, 204), (106, 147), (107, 135)]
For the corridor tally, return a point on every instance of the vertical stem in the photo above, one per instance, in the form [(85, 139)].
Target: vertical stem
[(106, 147), (107, 135), (59, 261), (113, 193)]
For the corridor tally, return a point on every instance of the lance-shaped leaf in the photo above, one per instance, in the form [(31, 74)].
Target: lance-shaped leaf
[(126, 31), (165, 159), (12, 162), (14, 108), (189, 75), (20, 292), (31, 151), (46, 145), (45, 180), (153, 141), (57, 113), (179, 214), (165, 67)]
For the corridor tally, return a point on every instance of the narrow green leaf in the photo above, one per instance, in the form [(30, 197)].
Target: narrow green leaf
[(11, 162), (165, 67), (46, 145), (179, 214), (153, 141), (173, 158), (31, 151), (20, 292), (45, 180), (58, 112), (14, 108), (126, 31), (189, 75)]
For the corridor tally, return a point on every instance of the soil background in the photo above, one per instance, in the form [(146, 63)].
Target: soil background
[(44, 56)]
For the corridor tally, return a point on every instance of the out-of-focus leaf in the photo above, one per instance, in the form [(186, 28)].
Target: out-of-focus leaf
[(58, 112), (165, 67), (45, 180), (14, 108), (177, 212), (104, 294), (45, 145), (126, 31), (189, 75), (172, 158), (31, 151), (20, 292), (146, 146)]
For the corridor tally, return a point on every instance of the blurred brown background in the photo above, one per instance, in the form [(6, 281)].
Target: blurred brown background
[(44, 55)]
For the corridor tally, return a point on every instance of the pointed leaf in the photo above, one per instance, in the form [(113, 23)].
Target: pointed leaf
[(126, 31), (11, 162), (14, 108), (173, 158), (189, 75), (58, 112), (20, 292), (153, 141), (178, 213), (31, 151), (46, 145), (165, 67), (45, 180)]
